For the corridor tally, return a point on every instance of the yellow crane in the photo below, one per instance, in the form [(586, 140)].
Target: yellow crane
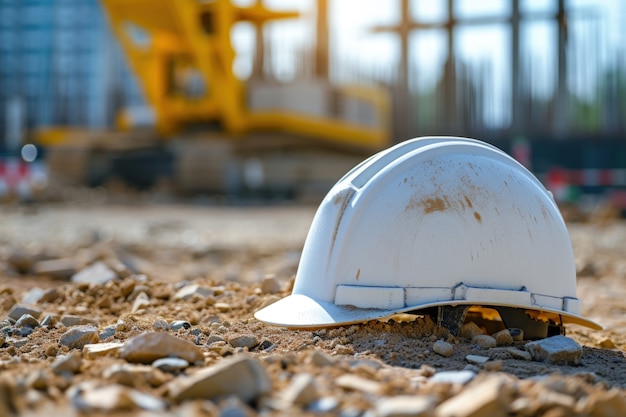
[(182, 54)]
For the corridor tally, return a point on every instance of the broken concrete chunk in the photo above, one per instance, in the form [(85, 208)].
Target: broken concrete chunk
[(71, 320), (320, 359), (33, 296), (189, 291), (56, 268), (115, 397), (67, 363), (503, 337), (405, 406), (27, 321), (476, 359), (98, 274), (357, 383), (519, 354), (485, 398), (19, 310), (469, 330), (241, 376), (301, 391), (150, 346), (79, 336), (452, 377), (556, 350), (98, 350)]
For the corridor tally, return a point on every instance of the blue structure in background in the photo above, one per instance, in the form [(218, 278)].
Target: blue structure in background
[(59, 64)]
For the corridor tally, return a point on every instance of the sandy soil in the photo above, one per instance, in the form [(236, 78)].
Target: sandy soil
[(247, 257)]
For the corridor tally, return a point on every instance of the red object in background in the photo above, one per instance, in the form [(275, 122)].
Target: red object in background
[(15, 176)]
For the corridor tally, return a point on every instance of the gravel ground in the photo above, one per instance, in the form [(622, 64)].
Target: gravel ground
[(147, 310)]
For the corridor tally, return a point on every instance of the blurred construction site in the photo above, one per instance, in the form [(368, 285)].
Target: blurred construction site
[(278, 99)]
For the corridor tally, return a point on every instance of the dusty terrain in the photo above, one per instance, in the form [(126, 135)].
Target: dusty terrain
[(198, 274)]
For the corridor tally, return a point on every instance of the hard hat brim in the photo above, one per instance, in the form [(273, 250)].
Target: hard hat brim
[(299, 311)]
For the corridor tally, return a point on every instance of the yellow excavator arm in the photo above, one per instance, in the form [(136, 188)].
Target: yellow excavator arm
[(182, 55)]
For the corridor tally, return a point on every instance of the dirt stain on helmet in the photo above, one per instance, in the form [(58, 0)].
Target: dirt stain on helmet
[(435, 204)]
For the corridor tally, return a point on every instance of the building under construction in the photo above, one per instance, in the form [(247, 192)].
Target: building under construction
[(76, 68)]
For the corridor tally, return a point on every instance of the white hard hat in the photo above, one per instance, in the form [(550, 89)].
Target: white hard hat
[(429, 223)]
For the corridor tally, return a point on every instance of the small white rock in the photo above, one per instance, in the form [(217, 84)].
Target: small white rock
[(476, 359), (405, 406), (443, 348), (98, 273), (452, 377), (301, 391), (484, 341)]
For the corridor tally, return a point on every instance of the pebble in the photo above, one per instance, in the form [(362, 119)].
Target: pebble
[(38, 380), (234, 407), (519, 354), (214, 338), (171, 365), (503, 338), (604, 404), (107, 332), (516, 334), (469, 330), (442, 348), (320, 359), (27, 321), (25, 331), (179, 324), (160, 325), (405, 406), (343, 350), (452, 377), (19, 310), (98, 274), (301, 391), (33, 296), (324, 405), (150, 346), (241, 376), (189, 291), (67, 364), (486, 398), (48, 320), (270, 285), (62, 268), (22, 260), (137, 291), (606, 343), (484, 341), (79, 336), (247, 341), (99, 350), (115, 397), (141, 302), (358, 383), (476, 359), (222, 307), (494, 366), (49, 295), (134, 375), (557, 350), (71, 320)]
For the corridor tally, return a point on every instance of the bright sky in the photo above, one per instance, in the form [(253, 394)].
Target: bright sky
[(357, 47)]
